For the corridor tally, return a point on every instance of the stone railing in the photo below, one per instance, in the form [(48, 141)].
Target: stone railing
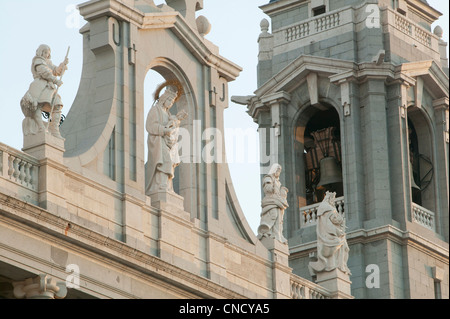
[(423, 216), (308, 214), (416, 33), (305, 289), (18, 167), (313, 26)]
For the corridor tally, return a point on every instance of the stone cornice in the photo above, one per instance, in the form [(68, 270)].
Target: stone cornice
[(385, 232), (37, 221), (193, 41), (196, 44)]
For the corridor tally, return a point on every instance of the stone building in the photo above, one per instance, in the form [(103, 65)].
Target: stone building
[(75, 218), (358, 94)]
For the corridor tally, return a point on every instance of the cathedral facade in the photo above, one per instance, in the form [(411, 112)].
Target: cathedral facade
[(359, 123)]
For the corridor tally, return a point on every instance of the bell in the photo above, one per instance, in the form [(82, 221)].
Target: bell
[(330, 172), (411, 176)]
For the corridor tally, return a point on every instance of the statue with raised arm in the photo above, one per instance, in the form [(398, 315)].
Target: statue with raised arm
[(42, 95), (332, 247), (162, 128), (273, 206)]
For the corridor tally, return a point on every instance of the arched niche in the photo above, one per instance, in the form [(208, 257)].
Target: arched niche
[(422, 159), (309, 120), (159, 71)]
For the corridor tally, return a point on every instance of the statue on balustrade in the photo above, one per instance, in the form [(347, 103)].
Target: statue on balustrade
[(332, 247), (273, 205), (42, 95), (162, 128)]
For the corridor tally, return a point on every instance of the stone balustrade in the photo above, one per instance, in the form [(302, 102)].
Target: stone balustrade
[(403, 27), (409, 27), (314, 25), (305, 289), (423, 216), (18, 167), (344, 20), (308, 214)]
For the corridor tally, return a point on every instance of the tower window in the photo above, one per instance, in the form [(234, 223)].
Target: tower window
[(319, 10)]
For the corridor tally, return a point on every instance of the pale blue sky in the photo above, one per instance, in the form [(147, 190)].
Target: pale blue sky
[(235, 28)]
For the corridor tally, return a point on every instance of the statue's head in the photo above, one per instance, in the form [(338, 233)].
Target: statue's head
[(173, 91), (169, 96), (275, 170), (330, 197), (44, 51)]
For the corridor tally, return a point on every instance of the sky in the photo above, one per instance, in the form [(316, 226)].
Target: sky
[(235, 30)]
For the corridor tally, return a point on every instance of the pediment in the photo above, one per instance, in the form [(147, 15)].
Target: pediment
[(294, 74), (434, 77)]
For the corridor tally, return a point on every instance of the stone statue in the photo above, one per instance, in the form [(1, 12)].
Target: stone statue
[(162, 128), (42, 95), (273, 206), (332, 247)]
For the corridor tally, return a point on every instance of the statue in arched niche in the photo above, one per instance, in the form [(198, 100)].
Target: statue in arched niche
[(273, 206), (332, 247), (162, 128), (42, 96)]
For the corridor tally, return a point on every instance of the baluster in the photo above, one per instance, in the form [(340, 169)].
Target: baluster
[(22, 173), (16, 172), (33, 174), (27, 178), (10, 166)]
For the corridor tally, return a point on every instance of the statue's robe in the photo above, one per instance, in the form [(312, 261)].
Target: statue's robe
[(159, 158), (273, 207), (332, 248)]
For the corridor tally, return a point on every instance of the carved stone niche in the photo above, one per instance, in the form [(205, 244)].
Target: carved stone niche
[(40, 287)]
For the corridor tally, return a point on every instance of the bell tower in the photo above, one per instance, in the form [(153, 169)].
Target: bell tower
[(358, 93)]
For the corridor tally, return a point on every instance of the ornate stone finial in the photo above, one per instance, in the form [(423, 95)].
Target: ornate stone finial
[(203, 25), (40, 287), (273, 205), (332, 248), (438, 31), (42, 95), (264, 25)]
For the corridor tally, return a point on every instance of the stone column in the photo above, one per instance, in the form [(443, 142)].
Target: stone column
[(40, 287), (441, 111)]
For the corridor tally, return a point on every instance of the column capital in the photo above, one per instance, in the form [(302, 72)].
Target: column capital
[(40, 287)]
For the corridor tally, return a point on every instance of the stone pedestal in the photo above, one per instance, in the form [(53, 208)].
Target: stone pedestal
[(169, 201), (44, 145), (337, 282), (281, 272), (49, 150), (175, 230), (40, 287)]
